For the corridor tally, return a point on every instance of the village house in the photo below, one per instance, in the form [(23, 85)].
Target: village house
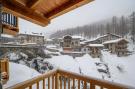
[(118, 46), (75, 44), (49, 42), (57, 41), (71, 43), (95, 50), (107, 37), (84, 48), (67, 40), (101, 39), (30, 38)]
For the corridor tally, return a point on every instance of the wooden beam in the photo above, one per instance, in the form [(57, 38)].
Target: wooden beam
[(70, 5), (32, 3), (24, 12)]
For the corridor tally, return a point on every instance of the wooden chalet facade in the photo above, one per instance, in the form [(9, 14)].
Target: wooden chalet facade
[(71, 43), (118, 46), (9, 24)]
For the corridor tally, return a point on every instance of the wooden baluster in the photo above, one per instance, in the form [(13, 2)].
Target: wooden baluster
[(30, 87), (43, 83), (37, 85), (85, 85), (48, 82), (73, 83), (79, 84), (101, 87), (57, 81), (53, 82), (64, 82), (68, 83), (92, 86), (60, 82)]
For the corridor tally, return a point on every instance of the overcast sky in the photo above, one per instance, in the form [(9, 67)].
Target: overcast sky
[(92, 12)]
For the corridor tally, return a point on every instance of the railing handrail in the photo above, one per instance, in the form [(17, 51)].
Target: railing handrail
[(96, 81), (70, 75)]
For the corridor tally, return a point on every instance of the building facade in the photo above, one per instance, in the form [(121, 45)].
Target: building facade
[(30, 38), (95, 50), (118, 46)]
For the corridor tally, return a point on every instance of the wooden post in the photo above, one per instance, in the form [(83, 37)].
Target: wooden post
[(0, 19), (56, 81), (0, 37)]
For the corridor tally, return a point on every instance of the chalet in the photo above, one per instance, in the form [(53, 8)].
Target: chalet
[(30, 38), (75, 44), (49, 42), (107, 37), (84, 48), (101, 39), (72, 43), (57, 41), (118, 46), (67, 40), (95, 50)]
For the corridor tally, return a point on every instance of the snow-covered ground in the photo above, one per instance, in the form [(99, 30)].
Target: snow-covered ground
[(121, 69), (110, 67), (19, 73)]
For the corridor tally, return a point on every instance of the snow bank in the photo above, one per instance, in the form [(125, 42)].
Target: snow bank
[(88, 66), (121, 68), (65, 62), (19, 73)]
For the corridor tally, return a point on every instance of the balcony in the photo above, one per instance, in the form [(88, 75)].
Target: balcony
[(61, 79), (9, 24)]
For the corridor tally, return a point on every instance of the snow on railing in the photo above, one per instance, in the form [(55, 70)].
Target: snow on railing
[(61, 79)]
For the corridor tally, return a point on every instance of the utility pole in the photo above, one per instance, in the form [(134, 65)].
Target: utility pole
[(0, 37)]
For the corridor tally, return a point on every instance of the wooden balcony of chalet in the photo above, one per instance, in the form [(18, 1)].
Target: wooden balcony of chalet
[(61, 79), (9, 24)]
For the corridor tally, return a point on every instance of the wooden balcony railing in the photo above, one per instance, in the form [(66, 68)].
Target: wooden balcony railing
[(9, 24), (60, 79), (4, 70)]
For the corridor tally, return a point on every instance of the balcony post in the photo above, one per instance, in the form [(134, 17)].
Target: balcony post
[(57, 80), (0, 38)]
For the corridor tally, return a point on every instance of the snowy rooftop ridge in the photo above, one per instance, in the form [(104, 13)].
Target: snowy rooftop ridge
[(32, 34), (77, 37), (115, 41), (49, 40), (94, 39), (6, 35), (96, 45)]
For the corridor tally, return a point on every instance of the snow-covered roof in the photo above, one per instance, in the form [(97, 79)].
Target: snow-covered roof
[(94, 39), (31, 34), (9, 43), (30, 43), (96, 45), (115, 41), (51, 46), (77, 37), (107, 35), (8, 36), (82, 42), (49, 40)]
